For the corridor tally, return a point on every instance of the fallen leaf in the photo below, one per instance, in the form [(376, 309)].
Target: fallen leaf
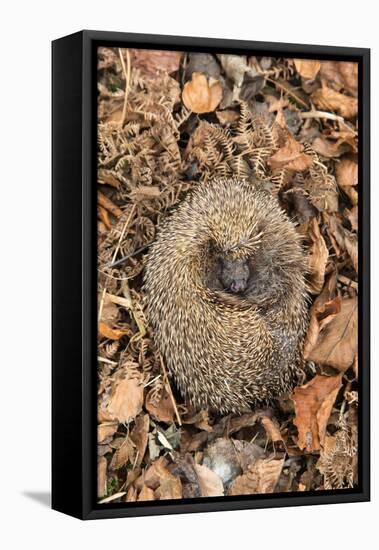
[(146, 494), (271, 429), (153, 473), (163, 482), (131, 495), (344, 238), (318, 258), (307, 68), (106, 430), (352, 216), (201, 95), (110, 312), (101, 477), (261, 477), (235, 67), (247, 452), (334, 144), (122, 455), (139, 436), (329, 100), (341, 75), (321, 314), (291, 156), (243, 421), (210, 483), (347, 172), (313, 405), (337, 342), (150, 62), (163, 410), (111, 333), (227, 117), (126, 400)]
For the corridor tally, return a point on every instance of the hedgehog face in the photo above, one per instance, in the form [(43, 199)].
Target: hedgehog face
[(234, 274)]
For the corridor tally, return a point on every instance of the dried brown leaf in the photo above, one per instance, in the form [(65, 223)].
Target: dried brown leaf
[(261, 477), (271, 429), (318, 258), (313, 405), (165, 484), (139, 436), (126, 400), (341, 75), (210, 483), (337, 342), (163, 410), (227, 116), (122, 455), (307, 68), (146, 494), (291, 156), (352, 216), (201, 95), (335, 144), (106, 430), (347, 172), (344, 238), (150, 62), (322, 312), (111, 333), (329, 100)]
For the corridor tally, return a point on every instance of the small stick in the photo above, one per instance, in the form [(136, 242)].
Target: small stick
[(346, 281), (165, 377), (127, 83), (321, 114), (327, 116), (127, 256), (288, 91)]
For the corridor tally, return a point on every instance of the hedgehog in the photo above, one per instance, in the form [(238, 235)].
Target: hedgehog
[(226, 298)]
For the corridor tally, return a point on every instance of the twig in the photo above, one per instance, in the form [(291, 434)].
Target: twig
[(152, 381), (113, 264), (127, 83), (346, 281), (321, 114), (327, 116), (165, 377), (114, 257), (288, 91)]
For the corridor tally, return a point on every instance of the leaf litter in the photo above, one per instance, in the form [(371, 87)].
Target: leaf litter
[(168, 122)]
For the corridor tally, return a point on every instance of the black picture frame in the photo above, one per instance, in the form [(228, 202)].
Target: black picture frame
[(74, 329)]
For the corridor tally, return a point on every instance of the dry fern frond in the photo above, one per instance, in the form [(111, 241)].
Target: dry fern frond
[(338, 459)]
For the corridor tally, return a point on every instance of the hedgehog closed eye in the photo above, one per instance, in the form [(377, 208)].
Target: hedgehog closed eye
[(226, 307)]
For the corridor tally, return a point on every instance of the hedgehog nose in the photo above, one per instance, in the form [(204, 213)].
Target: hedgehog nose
[(237, 286)]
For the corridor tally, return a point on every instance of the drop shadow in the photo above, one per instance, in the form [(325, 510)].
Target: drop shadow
[(42, 497)]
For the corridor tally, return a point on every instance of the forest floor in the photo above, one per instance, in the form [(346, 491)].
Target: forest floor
[(169, 121)]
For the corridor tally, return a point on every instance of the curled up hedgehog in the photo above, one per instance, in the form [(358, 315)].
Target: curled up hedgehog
[(226, 296)]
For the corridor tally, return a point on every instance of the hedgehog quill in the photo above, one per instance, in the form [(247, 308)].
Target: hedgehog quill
[(225, 294)]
